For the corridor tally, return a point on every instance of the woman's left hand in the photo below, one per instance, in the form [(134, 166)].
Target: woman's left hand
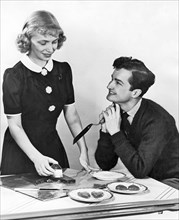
[(74, 123), (84, 161)]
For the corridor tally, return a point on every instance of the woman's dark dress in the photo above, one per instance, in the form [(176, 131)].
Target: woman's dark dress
[(40, 99)]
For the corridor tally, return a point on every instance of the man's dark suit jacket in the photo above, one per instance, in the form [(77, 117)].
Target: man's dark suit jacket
[(151, 148)]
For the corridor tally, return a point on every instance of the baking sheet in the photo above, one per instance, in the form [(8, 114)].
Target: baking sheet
[(30, 183)]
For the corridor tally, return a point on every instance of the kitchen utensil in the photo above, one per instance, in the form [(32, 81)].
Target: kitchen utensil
[(85, 130)]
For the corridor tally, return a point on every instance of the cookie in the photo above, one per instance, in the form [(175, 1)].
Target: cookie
[(97, 194), (133, 187), (121, 187), (84, 194)]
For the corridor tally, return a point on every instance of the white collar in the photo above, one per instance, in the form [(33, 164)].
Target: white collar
[(134, 110), (34, 67)]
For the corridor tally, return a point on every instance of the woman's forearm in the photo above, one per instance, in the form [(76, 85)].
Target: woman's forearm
[(23, 141), (75, 126)]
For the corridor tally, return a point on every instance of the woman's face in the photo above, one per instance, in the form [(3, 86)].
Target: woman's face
[(42, 47)]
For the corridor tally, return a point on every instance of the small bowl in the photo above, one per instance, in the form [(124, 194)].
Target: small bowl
[(58, 171)]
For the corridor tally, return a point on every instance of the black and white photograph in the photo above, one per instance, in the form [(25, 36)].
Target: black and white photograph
[(89, 109)]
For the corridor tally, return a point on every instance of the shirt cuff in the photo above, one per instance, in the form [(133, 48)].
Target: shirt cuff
[(104, 134)]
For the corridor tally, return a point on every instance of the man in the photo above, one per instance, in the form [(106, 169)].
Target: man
[(149, 144)]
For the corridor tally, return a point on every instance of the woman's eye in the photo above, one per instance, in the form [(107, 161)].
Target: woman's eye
[(42, 42), (55, 42)]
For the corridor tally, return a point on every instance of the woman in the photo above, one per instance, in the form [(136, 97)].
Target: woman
[(35, 91)]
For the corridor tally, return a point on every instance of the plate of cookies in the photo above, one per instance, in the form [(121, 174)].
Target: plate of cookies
[(126, 187), (90, 195)]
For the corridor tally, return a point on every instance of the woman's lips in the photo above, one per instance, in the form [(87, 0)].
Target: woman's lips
[(47, 55)]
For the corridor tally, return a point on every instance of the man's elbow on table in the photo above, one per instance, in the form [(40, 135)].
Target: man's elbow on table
[(138, 173), (104, 164)]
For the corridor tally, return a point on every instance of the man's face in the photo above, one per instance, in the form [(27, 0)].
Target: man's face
[(119, 87)]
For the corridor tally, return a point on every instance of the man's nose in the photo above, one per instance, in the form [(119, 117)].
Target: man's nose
[(109, 86)]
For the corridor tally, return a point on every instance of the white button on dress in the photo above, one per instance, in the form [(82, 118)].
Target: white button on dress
[(44, 72), (51, 108), (48, 89)]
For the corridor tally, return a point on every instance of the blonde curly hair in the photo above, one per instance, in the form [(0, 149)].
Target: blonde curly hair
[(42, 22)]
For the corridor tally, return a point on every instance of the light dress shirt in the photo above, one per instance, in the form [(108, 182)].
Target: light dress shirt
[(133, 111)]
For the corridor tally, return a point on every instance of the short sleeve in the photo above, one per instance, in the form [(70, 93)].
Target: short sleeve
[(12, 87), (69, 85)]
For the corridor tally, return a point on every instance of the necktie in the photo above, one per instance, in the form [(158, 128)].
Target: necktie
[(125, 125)]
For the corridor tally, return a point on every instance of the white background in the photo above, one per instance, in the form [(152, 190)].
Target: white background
[(97, 33)]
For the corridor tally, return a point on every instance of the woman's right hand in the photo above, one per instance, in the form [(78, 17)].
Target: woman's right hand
[(42, 165), (41, 162)]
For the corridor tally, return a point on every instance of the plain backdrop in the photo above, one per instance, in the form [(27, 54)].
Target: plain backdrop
[(97, 33)]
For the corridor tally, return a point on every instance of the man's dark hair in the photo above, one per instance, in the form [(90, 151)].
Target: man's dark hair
[(142, 78)]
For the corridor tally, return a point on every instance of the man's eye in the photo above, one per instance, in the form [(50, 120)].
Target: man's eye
[(118, 83)]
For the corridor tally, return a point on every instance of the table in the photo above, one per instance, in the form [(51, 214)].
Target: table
[(15, 205)]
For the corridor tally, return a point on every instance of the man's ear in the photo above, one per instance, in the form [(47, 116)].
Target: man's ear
[(136, 93)]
